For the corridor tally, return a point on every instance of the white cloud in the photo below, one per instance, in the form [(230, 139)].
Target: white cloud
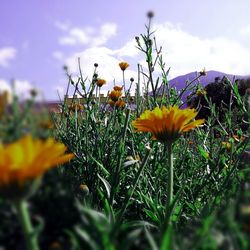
[(89, 35), (182, 51), (245, 31), (185, 52), (7, 54)]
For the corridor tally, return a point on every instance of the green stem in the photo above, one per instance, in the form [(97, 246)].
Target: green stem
[(28, 231), (170, 176)]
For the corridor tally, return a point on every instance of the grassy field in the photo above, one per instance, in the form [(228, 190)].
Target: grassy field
[(147, 177)]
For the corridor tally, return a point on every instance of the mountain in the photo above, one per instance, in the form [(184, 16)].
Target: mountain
[(180, 81)]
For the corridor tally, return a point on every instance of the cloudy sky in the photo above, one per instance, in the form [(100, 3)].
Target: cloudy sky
[(39, 37)]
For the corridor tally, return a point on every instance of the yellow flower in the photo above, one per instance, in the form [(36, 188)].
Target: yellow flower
[(100, 82), (123, 65), (114, 95), (28, 159), (167, 124), (118, 88)]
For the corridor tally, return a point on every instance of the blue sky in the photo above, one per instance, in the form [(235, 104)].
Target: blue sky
[(39, 37)]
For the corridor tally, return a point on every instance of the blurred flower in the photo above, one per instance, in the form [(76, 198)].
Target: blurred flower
[(167, 124), (118, 88), (28, 159), (114, 95), (55, 245), (46, 124), (123, 65), (84, 188), (5, 99), (76, 107), (100, 82), (150, 14), (33, 92)]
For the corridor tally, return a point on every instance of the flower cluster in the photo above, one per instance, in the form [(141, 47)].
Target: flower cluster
[(115, 97)]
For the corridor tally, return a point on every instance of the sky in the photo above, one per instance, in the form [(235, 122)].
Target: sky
[(39, 37)]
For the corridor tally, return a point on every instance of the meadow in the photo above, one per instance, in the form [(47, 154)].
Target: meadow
[(145, 172)]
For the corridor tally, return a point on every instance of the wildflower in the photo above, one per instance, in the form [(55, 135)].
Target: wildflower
[(201, 92), (84, 188), (123, 65), (118, 88), (76, 107), (115, 95), (167, 124), (118, 103), (100, 82), (95, 65), (28, 159)]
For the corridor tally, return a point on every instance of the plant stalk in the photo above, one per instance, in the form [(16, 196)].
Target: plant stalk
[(170, 175), (27, 228)]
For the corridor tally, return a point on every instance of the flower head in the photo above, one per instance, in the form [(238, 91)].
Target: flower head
[(119, 104), (28, 159), (167, 124), (114, 95), (100, 82), (123, 65), (118, 88), (76, 107)]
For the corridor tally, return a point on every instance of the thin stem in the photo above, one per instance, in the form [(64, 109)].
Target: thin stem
[(28, 231), (130, 192), (123, 77), (170, 175)]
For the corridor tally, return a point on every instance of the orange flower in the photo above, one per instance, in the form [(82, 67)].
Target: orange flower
[(118, 104), (28, 159), (118, 88), (114, 95), (100, 82), (76, 107), (167, 124), (123, 65)]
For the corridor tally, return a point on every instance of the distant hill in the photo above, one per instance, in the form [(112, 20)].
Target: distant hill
[(180, 81)]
